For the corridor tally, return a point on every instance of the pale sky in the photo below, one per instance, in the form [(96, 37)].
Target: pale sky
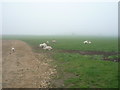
[(54, 18), (59, 1)]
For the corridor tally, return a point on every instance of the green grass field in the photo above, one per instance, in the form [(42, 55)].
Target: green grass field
[(72, 42), (86, 71), (75, 70)]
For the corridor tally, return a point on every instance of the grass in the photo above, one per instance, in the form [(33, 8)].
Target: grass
[(88, 71), (113, 56), (109, 44), (79, 71)]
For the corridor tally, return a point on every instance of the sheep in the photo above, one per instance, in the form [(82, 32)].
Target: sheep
[(89, 42), (43, 45), (85, 42), (12, 49), (47, 48), (47, 42), (54, 41)]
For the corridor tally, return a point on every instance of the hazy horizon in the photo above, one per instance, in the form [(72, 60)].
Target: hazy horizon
[(92, 19)]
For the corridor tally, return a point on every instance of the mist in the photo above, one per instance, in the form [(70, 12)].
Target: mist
[(99, 19)]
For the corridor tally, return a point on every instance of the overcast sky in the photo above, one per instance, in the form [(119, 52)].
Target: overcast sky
[(82, 18)]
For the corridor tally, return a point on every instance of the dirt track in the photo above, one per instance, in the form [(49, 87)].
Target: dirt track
[(24, 68)]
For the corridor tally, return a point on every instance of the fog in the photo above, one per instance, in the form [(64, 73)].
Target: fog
[(100, 18)]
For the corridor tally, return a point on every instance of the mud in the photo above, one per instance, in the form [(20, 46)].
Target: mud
[(105, 54)]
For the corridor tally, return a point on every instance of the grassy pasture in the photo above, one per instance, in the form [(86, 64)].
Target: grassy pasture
[(72, 42), (78, 71), (75, 70)]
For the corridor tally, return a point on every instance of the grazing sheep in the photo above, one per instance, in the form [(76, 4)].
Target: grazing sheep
[(85, 42), (12, 49), (47, 48), (47, 42), (43, 45), (53, 41), (89, 42)]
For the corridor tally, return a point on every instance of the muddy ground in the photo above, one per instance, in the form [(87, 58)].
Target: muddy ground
[(105, 54), (25, 68)]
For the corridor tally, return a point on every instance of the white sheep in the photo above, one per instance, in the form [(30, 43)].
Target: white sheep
[(47, 48), (47, 42), (12, 49), (85, 42), (89, 42), (54, 41), (43, 45)]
